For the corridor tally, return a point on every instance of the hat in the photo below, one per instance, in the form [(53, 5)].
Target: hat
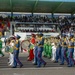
[(12, 36), (18, 37), (33, 35), (41, 34)]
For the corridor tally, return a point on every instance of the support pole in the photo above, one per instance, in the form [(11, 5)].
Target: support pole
[(10, 28), (72, 15), (32, 14), (12, 24), (11, 9), (52, 15)]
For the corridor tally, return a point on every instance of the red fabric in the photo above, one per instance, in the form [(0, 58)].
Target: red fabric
[(31, 55), (33, 40)]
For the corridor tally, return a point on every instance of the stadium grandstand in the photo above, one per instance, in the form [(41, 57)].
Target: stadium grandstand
[(37, 16)]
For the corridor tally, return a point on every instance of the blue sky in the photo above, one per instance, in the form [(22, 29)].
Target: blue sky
[(60, 0)]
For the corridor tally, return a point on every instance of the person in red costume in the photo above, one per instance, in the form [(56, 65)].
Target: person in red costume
[(32, 42)]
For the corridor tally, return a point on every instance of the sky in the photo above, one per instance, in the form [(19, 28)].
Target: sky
[(60, 0)]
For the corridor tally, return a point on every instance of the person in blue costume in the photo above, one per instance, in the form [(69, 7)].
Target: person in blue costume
[(40, 61), (58, 50), (16, 53), (64, 50), (71, 51)]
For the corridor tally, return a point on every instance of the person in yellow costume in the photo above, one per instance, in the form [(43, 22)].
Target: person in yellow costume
[(71, 51)]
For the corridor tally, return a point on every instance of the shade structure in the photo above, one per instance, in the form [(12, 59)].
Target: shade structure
[(38, 6)]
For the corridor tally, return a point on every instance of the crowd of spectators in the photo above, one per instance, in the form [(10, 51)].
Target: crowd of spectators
[(42, 19), (64, 22)]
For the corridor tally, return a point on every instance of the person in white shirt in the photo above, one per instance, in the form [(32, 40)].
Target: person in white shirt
[(11, 56), (53, 52)]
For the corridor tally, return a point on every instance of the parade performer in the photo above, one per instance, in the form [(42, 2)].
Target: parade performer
[(40, 50), (53, 51), (71, 51), (58, 50), (1, 53), (32, 42), (49, 51), (11, 49), (35, 49), (64, 50), (16, 53), (45, 47)]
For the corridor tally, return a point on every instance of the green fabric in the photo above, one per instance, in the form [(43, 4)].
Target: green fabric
[(0, 43), (49, 52), (44, 52), (31, 47), (47, 48), (11, 50)]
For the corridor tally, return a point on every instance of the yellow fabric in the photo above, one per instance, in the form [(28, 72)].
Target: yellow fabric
[(70, 46), (15, 48), (0, 33), (72, 40), (40, 46)]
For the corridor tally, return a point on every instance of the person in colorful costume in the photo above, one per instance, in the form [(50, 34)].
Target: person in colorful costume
[(16, 53), (64, 50), (53, 51), (36, 49), (45, 47), (32, 42), (49, 54), (40, 61), (11, 49), (58, 50), (71, 51)]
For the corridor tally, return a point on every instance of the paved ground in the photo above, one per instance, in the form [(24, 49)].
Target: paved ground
[(29, 69)]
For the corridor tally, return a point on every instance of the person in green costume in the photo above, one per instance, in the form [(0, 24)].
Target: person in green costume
[(45, 52), (49, 48), (49, 51), (1, 53)]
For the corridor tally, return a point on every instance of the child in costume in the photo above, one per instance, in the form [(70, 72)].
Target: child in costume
[(32, 42), (49, 52), (45, 47), (53, 51), (11, 56)]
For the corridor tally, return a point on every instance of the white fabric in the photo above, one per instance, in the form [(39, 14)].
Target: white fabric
[(11, 44), (53, 53), (11, 59)]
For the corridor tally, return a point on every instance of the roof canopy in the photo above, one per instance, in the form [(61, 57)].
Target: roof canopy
[(38, 6)]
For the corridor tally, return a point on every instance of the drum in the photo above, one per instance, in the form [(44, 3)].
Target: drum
[(24, 45)]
